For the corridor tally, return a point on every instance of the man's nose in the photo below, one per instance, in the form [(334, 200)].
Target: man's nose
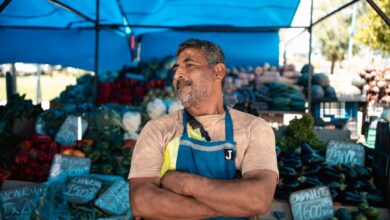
[(179, 73)]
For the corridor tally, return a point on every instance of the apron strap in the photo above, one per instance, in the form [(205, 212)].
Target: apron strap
[(196, 124), (185, 120), (228, 125)]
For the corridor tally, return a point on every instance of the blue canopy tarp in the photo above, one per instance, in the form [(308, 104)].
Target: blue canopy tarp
[(40, 31), (241, 49)]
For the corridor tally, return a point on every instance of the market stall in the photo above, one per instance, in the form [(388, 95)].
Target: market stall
[(89, 141)]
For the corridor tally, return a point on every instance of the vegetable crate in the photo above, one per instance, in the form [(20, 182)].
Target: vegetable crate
[(335, 111)]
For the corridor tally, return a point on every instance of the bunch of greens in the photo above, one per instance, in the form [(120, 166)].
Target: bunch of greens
[(300, 131)]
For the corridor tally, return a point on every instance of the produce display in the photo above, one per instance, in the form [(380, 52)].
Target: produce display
[(129, 98), (374, 85), (262, 89), (79, 94), (321, 88), (298, 132), (17, 108), (34, 158), (109, 137), (302, 164), (84, 197), (364, 212)]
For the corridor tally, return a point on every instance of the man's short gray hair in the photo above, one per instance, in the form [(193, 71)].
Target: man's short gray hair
[(211, 51)]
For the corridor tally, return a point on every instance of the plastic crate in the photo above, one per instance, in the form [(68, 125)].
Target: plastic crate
[(335, 111)]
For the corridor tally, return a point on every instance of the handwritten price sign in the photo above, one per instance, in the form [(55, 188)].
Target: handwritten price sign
[(341, 152), (312, 204)]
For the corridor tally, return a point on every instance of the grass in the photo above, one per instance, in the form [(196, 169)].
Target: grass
[(51, 86)]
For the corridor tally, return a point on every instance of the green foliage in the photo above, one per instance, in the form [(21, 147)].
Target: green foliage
[(300, 131), (332, 35), (372, 29)]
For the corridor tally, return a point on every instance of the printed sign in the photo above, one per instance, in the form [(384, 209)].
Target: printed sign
[(81, 190), (115, 200), (312, 204), (71, 130), (341, 152), (19, 203), (69, 166)]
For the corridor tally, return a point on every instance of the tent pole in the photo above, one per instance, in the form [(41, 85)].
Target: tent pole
[(38, 91), (379, 11), (334, 12), (96, 67), (4, 5), (310, 50), (10, 82), (67, 7)]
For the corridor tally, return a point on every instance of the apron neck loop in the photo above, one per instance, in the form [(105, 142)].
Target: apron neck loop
[(185, 121), (228, 125)]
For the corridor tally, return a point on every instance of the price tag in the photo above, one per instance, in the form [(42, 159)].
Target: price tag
[(312, 204), (64, 166), (342, 152), (19, 203)]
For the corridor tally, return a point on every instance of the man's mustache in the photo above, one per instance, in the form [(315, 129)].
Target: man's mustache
[(183, 82)]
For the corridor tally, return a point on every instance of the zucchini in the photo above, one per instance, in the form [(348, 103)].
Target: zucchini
[(353, 198), (288, 172), (352, 175), (375, 199), (337, 185), (361, 186), (293, 163), (312, 170), (363, 172), (309, 156), (308, 182), (330, 173), (313, 159), (290, 184)]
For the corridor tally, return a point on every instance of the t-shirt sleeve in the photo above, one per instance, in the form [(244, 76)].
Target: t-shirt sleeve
[(261, 153), (147, 157)]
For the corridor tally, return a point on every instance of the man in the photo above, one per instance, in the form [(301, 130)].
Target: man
[(186, 170)]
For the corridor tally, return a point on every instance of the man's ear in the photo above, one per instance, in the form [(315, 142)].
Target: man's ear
[(220, 71)]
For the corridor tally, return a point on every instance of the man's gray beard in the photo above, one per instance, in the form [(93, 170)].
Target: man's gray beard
[(192, 98), (186, 99)]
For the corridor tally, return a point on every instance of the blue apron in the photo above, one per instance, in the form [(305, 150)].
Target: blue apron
[(214, 159)]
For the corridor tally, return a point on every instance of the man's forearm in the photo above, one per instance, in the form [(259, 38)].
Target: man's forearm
[(150, 201), (243, 197)]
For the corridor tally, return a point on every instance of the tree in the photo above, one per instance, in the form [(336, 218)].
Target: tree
[(332, 35), (373, 31)]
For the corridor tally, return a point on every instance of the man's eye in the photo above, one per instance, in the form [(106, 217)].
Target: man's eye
[(189, 65)]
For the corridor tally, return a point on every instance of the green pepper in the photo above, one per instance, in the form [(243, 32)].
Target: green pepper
[(127, 152), (372, 212), (126, 161), (106, 169), (363, 206), (102, 145), (343, 214), (86, 149), (94, 156)]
